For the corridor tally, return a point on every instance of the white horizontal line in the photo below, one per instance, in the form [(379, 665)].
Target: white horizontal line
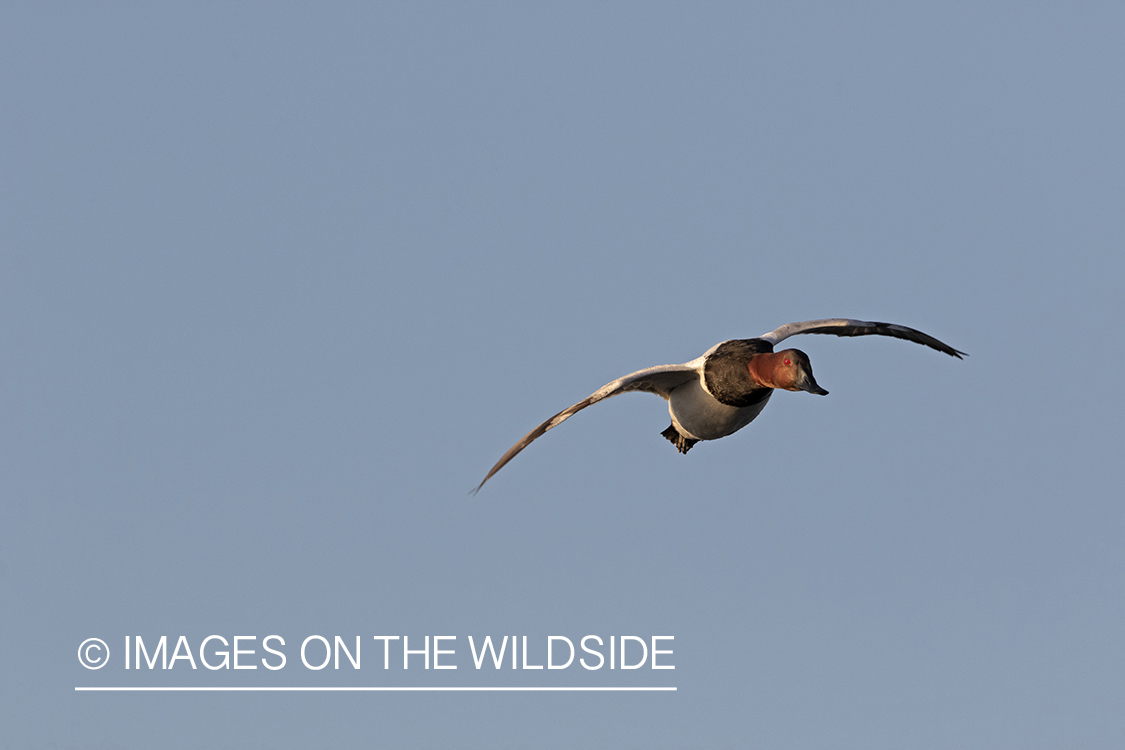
[(383, 689)]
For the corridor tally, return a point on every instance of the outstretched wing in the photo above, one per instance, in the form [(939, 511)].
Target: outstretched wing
[(659, 380), (845, 327)]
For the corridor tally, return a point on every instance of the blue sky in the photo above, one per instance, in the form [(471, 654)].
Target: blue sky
[(278, 285)]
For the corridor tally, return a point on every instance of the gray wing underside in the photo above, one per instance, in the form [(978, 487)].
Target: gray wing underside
[(659, 380), (846, 327)]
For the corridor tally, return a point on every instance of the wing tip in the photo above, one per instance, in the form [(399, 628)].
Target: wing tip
[(473, 492)]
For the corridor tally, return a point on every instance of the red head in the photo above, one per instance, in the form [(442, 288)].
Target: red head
[(789, 370)]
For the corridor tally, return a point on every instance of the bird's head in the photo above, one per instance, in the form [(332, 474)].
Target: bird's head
[(788, 370)]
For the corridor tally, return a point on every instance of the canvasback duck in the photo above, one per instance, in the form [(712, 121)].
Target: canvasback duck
[(724, 390)]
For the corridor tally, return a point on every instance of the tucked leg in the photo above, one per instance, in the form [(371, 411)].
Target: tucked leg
[(683, 444)]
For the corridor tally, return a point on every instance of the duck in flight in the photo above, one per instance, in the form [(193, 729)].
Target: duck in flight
[(724, 390)]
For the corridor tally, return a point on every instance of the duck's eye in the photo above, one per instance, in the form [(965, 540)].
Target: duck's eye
[(788, 361)]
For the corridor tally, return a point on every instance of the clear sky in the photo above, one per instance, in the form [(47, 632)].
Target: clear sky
[(280, 282)]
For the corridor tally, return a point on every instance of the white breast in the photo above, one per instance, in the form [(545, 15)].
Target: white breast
[(697, 414)]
